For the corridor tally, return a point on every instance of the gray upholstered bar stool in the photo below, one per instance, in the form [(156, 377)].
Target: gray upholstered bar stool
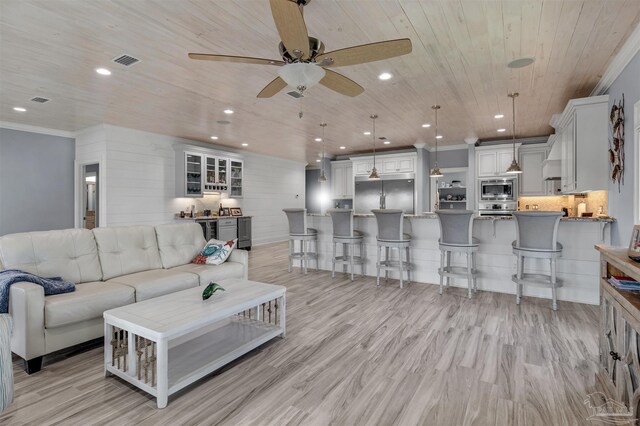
[(390, 236), (537, 234), (343, 233), (456, 229), (298, 231)]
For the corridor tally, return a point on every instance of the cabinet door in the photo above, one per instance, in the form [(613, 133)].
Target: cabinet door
[(608, 337), (348, 182), (405, 165), (503, 159), (236, 181), (193, 174), (389, 165), (486, 163), (337, 182), (570, 155), (531, 180), (362, 167)]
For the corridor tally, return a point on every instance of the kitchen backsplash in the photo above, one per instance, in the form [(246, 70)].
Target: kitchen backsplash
[(208, 202), (593, 201)]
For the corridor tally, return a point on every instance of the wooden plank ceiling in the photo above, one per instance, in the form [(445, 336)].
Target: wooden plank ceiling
[(50, 48)]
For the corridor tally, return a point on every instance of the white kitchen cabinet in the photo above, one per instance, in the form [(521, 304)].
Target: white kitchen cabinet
[(531, 180), (215, 174), (189, 168), (492, 161), (582, 129), (398, 165), (385, 164), (362, 167), (341, 180), (236, 179)]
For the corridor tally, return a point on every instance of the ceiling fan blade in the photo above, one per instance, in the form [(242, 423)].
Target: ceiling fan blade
[(238, 59), (272, 88), (341, 84), (291, 27), (367, 52)]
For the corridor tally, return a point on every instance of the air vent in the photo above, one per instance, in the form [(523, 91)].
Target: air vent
[(126, 60), (383, 138), (223, 122), (40, 100), (295, 94)]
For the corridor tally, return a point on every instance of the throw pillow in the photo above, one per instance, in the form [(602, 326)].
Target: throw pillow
[(217, 251)]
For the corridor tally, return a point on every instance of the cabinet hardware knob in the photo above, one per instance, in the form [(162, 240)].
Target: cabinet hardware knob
[(615, 356)]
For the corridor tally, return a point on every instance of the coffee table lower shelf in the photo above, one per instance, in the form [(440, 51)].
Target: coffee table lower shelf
[(187, 360)]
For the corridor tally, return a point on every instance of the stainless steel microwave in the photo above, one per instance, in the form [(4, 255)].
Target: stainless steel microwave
[(499, 189)]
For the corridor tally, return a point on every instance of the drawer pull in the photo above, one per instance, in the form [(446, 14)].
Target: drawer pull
[(615, 356)]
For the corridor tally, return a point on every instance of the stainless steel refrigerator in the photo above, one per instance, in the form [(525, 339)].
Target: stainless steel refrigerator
[(394, 191)]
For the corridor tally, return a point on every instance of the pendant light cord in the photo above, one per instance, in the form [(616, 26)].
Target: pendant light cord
[(373, 117), (436, 128), (513, 121), (323, 125)]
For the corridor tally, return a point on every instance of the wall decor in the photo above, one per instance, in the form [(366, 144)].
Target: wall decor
[(236, 211), (616, 148)]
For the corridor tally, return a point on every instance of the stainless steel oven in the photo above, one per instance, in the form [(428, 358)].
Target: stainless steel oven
[(501, 189)]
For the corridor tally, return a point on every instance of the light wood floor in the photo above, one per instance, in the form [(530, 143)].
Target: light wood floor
[(356, 354)]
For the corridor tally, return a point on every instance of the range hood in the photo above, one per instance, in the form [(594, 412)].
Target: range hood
[(551, 169)]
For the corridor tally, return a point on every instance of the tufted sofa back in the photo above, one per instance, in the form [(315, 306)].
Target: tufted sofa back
[(179, 243), (70, 253), (127, 249)]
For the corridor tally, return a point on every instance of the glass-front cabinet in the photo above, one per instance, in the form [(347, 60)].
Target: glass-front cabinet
[(235, 186), (216, 175), (193, 175)]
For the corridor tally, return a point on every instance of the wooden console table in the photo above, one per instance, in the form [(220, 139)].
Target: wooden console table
[(620, 328)]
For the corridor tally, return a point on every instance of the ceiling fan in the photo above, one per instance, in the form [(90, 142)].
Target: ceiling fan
[(304, 62)]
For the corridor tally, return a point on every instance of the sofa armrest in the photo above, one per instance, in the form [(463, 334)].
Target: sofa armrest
[(241, 256), (26, 307)]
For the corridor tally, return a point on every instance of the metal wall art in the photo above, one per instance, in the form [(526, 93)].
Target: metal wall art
[(616, 148)]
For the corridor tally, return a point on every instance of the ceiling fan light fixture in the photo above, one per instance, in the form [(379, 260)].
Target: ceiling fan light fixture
[(301, 74)]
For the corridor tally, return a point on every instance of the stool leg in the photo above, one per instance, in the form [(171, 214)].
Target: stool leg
[(408, 265), (474, 259), (519, 268), (469, 275), (351, 250), (442, 258), (315, 242), (363, 256), (304, 262), (448, 265), (378, 265), (386, 258), (333, 261), (554, 303), (290, 254), (400, 267), (345, 252)]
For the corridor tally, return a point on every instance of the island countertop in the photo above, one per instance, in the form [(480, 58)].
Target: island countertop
[(430, 215)]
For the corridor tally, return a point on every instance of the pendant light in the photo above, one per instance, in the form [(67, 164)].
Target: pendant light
[(322, 177), (374, 171), (436, 170), (514, 168)]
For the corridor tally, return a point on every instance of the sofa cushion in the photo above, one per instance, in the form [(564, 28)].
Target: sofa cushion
[(127, 249), (70, 253), (209, 273), (178, 243), (88, 302), (157, 282)]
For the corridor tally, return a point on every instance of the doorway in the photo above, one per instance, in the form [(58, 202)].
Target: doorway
[(90, 198)]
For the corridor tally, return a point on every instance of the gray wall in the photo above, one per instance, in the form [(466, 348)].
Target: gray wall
[(36, 181), (312, 191), (621, 201), (447, 159)]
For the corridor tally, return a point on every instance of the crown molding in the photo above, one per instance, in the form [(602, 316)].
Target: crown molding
[(629, 49), (36, 129), (448, 147)]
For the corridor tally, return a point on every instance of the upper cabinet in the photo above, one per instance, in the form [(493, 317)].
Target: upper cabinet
[(199, 171), (492, 161), (531, 180), (189, 167), (341, 180), (582, 133), (215, 177), (385, 164), (235, 185)]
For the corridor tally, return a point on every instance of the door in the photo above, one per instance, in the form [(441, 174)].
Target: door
[(90, 195), (367, 196), (487, 163), (399, 194)]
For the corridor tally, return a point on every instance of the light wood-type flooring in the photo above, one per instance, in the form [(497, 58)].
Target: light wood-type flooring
[(354, 355)]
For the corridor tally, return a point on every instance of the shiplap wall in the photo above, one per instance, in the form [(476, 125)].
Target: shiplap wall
[(139, 184)]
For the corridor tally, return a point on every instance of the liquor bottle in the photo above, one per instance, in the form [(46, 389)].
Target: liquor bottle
[(220, 210)]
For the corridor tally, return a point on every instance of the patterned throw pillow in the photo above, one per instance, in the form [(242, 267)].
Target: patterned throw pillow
[(215, 252)]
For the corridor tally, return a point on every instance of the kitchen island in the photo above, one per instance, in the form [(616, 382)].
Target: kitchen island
[(579, 266)]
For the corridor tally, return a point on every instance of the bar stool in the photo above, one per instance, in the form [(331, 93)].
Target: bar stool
[(537, 234), (390, 236), (298, 231), (456, 230), (343, 233)]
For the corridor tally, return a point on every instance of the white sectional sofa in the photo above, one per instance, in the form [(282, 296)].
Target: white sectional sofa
[(112, 267)]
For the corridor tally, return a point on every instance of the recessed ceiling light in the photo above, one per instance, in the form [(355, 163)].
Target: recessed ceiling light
[(386, 142), (19, 109), (366, 133), (520, 62), (425, 125), (385, 76), (215, 138), (498, 116), (343, 147), (245, 144), (439, 137), (317, 161), (103, 71), (502, 130), (318, 139), (228, 111)]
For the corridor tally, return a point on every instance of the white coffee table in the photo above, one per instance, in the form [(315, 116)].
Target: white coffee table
[(163, 344)]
